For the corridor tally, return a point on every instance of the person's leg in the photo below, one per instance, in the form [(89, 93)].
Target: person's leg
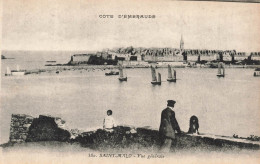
[(173, 145), (166, 145)]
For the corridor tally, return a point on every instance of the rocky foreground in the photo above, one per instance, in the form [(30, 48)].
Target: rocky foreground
[(26, 129)]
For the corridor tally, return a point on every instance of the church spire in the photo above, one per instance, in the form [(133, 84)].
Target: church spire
[(181, 43)]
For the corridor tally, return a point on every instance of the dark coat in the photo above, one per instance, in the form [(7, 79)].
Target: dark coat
[(194, 125), (169, 124)]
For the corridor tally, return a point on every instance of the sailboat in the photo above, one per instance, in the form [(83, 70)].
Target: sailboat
[(17, 72), (221, 73), (121, 75), (154, 78), (8, 72), (171, 76), (257, 72), (111, 73)]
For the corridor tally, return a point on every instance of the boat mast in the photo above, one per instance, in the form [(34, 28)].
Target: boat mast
[(223, 69)]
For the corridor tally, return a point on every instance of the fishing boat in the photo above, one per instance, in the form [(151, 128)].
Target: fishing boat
[(121, 75), (17, 72), (171, 76), (257, 72), (221, 70), (155, 81), (112, 73)]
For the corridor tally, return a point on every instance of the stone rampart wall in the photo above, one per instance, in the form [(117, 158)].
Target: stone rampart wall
[(19, 127), (25, 128)]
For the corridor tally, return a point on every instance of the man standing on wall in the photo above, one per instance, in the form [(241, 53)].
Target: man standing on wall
[(168, 126)]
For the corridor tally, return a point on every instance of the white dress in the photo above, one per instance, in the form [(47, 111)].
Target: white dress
[(109, 123)]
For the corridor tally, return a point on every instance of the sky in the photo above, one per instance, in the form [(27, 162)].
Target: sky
[(76, 25)]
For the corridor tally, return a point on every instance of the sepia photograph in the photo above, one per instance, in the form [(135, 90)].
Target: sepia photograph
[(112, 81)]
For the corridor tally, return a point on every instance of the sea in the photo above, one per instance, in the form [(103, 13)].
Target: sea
[(224, 106)]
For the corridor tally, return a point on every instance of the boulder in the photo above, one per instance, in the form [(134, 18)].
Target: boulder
[(45, 128)]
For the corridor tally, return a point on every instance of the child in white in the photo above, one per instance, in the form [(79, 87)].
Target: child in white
[(109, 122)]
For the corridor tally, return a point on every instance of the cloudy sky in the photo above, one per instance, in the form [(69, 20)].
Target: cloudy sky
[(75, 25)]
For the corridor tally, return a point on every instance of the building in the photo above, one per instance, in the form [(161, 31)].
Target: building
[(81, 57), (181, 44), (255, 56), (182, 49), (227, 56), (119, 56)]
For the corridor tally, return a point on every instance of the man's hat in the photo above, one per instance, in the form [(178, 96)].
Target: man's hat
[(171, 103)]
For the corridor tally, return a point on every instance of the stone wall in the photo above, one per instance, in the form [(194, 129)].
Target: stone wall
[(137, 139), (25, 128), (19, 127)]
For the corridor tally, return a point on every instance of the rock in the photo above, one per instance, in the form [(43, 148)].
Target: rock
[(60, 123), (75, 133), (133, 131), (45, 128)]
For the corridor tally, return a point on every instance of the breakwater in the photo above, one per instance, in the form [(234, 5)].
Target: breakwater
[(25, 128), (60, 68)]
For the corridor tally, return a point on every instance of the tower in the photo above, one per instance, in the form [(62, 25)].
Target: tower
[(181, 44), (182, 49)]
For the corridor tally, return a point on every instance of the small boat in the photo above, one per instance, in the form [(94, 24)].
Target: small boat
[(8, 72), (121, 75), (171, 76), (221, 67), (111, 73), (3, 57), (154, 78), (17, 72), (257, 72)]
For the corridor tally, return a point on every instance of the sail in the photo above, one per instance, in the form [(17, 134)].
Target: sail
[(174, 74), (159, 77), (121, 71), (169, 72), (153, 74), (8, 71), (219, 68), (17, 68)]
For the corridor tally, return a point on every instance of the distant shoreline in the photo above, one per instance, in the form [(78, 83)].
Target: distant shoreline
[(66, 67)]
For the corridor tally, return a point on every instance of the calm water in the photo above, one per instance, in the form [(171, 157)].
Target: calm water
[(30, 60), (224, 106)]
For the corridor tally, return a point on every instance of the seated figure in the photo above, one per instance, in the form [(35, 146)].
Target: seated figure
[(194, 125), (109, 122)]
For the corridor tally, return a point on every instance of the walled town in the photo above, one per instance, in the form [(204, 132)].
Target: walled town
[(164, 56)]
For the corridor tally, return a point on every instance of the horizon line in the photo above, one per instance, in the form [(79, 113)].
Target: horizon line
[(126, 47)]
